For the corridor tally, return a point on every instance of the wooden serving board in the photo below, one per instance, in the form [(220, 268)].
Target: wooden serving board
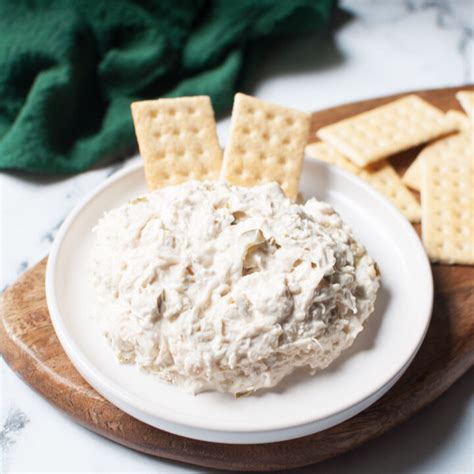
[(29, 345)]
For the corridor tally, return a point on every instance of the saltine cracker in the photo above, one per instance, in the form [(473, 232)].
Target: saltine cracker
[(381, 176), (447, 201), (386, 130), (177, 139), (460, 144), (266, 144)]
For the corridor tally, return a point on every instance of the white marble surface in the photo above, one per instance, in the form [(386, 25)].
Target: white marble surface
[(385, 47)]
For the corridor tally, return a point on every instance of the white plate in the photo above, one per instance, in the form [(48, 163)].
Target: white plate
[(302, 404)]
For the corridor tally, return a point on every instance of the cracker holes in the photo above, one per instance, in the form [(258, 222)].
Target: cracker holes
[(187, 160), (172, 112), (245, 175), (192, 174), (237, 168), (199, 149), (179, 174), (248, 156), (153, 114)]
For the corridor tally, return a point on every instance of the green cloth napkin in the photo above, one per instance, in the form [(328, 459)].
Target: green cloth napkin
[(70, 68)]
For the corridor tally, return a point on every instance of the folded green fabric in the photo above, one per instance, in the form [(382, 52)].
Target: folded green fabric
[(70, 68)]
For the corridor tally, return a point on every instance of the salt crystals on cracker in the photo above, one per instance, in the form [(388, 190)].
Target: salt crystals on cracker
[(386, 130), (382, 176), (177, 139), (266, 144), (447, 197)]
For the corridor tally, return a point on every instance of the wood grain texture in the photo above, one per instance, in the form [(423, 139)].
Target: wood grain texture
[(30, 346)]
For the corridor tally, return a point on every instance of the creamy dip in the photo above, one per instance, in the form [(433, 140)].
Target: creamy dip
[(217, 287)]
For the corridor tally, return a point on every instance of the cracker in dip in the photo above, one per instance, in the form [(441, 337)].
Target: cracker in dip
[(217, 287)]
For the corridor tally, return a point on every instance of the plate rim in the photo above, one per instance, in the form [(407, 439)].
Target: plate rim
[(104, 385)]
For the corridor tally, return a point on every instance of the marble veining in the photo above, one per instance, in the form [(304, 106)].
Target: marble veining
[(49, 236), (451, 16), (14, 424), (383, 47)]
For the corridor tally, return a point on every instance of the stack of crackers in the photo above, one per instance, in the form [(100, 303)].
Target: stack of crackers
[(178, 141), (443, 172)]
